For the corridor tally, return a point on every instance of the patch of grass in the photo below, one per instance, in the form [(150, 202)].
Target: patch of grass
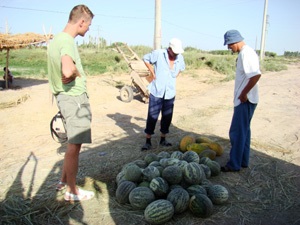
[(32, 62)]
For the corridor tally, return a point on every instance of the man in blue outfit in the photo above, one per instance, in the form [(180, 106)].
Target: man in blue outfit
[(164, 65), (245, 100)]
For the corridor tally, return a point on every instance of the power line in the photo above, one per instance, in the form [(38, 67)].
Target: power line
[(51, 11)]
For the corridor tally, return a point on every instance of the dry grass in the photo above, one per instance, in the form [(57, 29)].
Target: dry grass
[(257, 194)]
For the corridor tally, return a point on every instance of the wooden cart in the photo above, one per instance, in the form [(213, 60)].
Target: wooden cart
[(140, 75)]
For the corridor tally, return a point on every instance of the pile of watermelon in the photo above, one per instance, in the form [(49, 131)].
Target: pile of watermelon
[(166, 184)]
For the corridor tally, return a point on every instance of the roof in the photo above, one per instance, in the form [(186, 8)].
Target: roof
[(16, 41)]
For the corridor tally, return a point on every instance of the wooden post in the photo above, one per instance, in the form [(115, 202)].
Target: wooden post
[(6, 72)]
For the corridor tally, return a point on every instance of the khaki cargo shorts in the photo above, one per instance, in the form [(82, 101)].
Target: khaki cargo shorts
[(76, 111)]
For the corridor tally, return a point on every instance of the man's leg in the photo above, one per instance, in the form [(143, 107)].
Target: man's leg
[(166, 119), (70, 167)]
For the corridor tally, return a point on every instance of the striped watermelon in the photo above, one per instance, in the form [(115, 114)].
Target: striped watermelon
[(176, 155), (141, 197), (123, 191), (218, 194), (191, 156), (159, 212), (159, 186), (196, 189), (193, 173), (172, 174), (180, 199), (201, 206), (150, 172)]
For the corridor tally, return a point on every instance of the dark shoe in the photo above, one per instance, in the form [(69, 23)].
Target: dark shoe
[(228, 169), (146, 147), (244, 166), (165, 143)]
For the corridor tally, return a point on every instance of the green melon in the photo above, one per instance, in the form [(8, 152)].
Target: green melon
[(180, 199), (159, 212), (196, 189), (154, 163), (159, 186), (120, 177), (141, 197), (172, 174), (176, 155), (193, 173), (204, 160), (150, 157), (168, 162), (163, 155), (182, 164), (201, 206), (144, 184), (215, 168), (206, 170), (132, 173), (190, 156), (141, 163), (150, 172), (123, 191), (218, 194)]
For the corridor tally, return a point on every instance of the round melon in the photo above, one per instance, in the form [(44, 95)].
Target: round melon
[(196, 189), (185, 141), (204, 160), (190, 156), (215, 168), (201, 206), (150, 172), (182, 164), (123, 191), (163, 154), (180, 199), (176, 155), (120, 177), (218, 194), (132, 173), (144, 184), (159, 186), (141, 197), (217, 148), (141, 163), (206, 170), (193, 173), (172, 174), (168, 162), (159, 212), (150, 157), (154, 163)]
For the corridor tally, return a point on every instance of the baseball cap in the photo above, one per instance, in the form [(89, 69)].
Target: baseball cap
[(176, 46), (232, 36)]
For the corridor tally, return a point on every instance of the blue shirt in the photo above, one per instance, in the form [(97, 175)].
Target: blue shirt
[(164, 86)]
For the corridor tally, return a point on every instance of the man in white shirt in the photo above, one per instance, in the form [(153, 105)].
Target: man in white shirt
[(245, 100)]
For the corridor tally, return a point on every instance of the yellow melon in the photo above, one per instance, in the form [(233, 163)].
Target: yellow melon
[(217, 148), (185, 141), (202, 139)]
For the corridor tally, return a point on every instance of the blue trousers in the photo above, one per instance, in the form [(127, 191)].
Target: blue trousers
[(240, 135), (157, 105)]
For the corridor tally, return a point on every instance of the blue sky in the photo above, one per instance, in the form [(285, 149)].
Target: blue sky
[(198, 23)]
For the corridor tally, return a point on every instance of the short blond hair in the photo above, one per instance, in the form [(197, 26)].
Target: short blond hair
[(78, 11)]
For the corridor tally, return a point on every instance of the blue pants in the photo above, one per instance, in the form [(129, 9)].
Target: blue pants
[(240, 135), (157, 105)]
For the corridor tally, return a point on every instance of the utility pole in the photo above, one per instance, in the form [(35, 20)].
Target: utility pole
[(157, 26), (263, 34)]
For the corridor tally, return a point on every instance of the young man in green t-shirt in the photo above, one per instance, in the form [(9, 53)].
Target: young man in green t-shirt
[(68, 84)]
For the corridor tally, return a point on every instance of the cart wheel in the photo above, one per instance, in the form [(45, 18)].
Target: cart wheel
[(126, 94)]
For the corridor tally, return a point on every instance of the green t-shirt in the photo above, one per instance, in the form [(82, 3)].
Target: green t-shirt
[(64, 44)]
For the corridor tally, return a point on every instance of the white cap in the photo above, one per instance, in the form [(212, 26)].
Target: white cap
[(176, 46)]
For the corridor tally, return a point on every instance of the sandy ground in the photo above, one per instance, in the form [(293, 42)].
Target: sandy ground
[(29, 157)]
